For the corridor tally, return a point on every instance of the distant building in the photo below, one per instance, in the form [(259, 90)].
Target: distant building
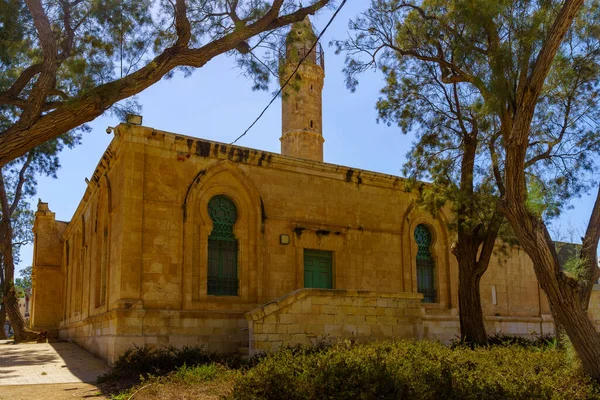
[(24, 307)]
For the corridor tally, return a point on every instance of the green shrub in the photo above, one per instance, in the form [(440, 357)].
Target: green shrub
[(149, 360), (415, 370), (499, 339), (198, 374)]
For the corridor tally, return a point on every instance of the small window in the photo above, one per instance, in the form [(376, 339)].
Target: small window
[(311, 123), (311, 87), (425, 265), (222, 248)]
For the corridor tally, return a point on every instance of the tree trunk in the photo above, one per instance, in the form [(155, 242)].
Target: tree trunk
[(11, 303), (472, 328), (582, 333), (2, 321), (2, 308), (16, 319), (562, 291), (473, 249)]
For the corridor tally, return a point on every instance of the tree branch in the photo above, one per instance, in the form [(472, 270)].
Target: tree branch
[(489, 242), (47, 77), (528, 97), (182, 24), (4, 205), (20, 183), (22, 81), (33, 131)]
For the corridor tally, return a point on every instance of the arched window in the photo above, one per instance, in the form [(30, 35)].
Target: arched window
[(425, 264), (222, 248)]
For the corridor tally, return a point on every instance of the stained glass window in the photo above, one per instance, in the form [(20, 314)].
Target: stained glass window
[(222, 248), (425, 264)]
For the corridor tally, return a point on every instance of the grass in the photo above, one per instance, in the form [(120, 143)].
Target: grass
[(509, 368), (204, 382)]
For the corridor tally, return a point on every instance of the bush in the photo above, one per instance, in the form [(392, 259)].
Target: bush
[(415, 370), (149, 360), (499, 339)]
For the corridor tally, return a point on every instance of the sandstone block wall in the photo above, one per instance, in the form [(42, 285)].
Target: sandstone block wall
[(47, 278), (110, 334), (594, 307), (138, 241), (309, 315), (446, 328)]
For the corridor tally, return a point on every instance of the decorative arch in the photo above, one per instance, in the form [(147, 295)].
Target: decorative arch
[(222, 180), (439, 253)]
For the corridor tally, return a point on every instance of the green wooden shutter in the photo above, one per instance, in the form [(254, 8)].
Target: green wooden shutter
[(425, 265), (222, 248)]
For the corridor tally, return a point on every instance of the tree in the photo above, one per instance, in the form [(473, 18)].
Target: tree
[(532, 70), (64, 63), (24, 282), (458, 136), (22, 223), (17, 185), (451, 134)]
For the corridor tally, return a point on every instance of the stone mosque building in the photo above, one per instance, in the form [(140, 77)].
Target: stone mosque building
[(184, 241)]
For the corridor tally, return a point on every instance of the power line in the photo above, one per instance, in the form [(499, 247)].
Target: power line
[(293, 73)]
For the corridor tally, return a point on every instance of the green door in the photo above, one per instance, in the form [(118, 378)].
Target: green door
[(317, 269)]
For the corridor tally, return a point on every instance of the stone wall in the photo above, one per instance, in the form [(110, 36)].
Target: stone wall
[(137, 245), (594, 307), (47, 279), (110, 334), (446, 328), (306, 316)]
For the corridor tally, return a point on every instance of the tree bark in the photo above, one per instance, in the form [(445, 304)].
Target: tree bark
[(2, 321), (472, 263), (11, 303), (472, 327), (2, 308), (562, 291)]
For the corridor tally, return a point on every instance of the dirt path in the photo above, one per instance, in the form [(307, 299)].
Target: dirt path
[(57, 391)]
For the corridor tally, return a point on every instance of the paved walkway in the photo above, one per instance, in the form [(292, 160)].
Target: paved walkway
[(47, 363)]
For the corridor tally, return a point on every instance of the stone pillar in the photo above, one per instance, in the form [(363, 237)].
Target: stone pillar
[(47, 278)]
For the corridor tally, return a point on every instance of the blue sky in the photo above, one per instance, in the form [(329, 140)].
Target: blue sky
[(217, 103)]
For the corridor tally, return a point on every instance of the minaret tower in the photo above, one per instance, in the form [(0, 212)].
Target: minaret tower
[(302, 134)]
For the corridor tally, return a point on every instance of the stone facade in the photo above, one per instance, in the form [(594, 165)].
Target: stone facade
[(307, 316), (132, 267), (183, 241)]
